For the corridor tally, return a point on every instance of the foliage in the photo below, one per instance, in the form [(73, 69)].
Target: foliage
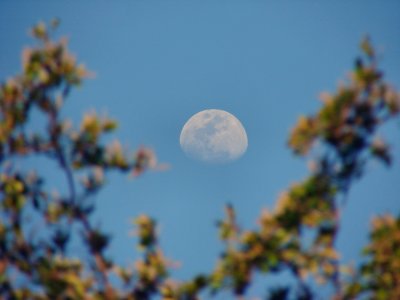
[(379, 276), (38, 264)]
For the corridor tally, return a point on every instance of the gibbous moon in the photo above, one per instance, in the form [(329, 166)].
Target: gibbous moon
[(213, 136)]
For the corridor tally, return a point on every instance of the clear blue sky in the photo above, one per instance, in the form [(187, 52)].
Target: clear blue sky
[(159, 62)]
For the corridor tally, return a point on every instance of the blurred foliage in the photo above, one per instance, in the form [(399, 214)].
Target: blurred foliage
[(297, 236)]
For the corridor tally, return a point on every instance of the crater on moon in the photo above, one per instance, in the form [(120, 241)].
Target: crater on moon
[(213, 136)]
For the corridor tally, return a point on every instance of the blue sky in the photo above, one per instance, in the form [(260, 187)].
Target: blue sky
[(159, 62)]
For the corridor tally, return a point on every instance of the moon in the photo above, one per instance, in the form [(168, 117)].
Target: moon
[(213, 136)]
